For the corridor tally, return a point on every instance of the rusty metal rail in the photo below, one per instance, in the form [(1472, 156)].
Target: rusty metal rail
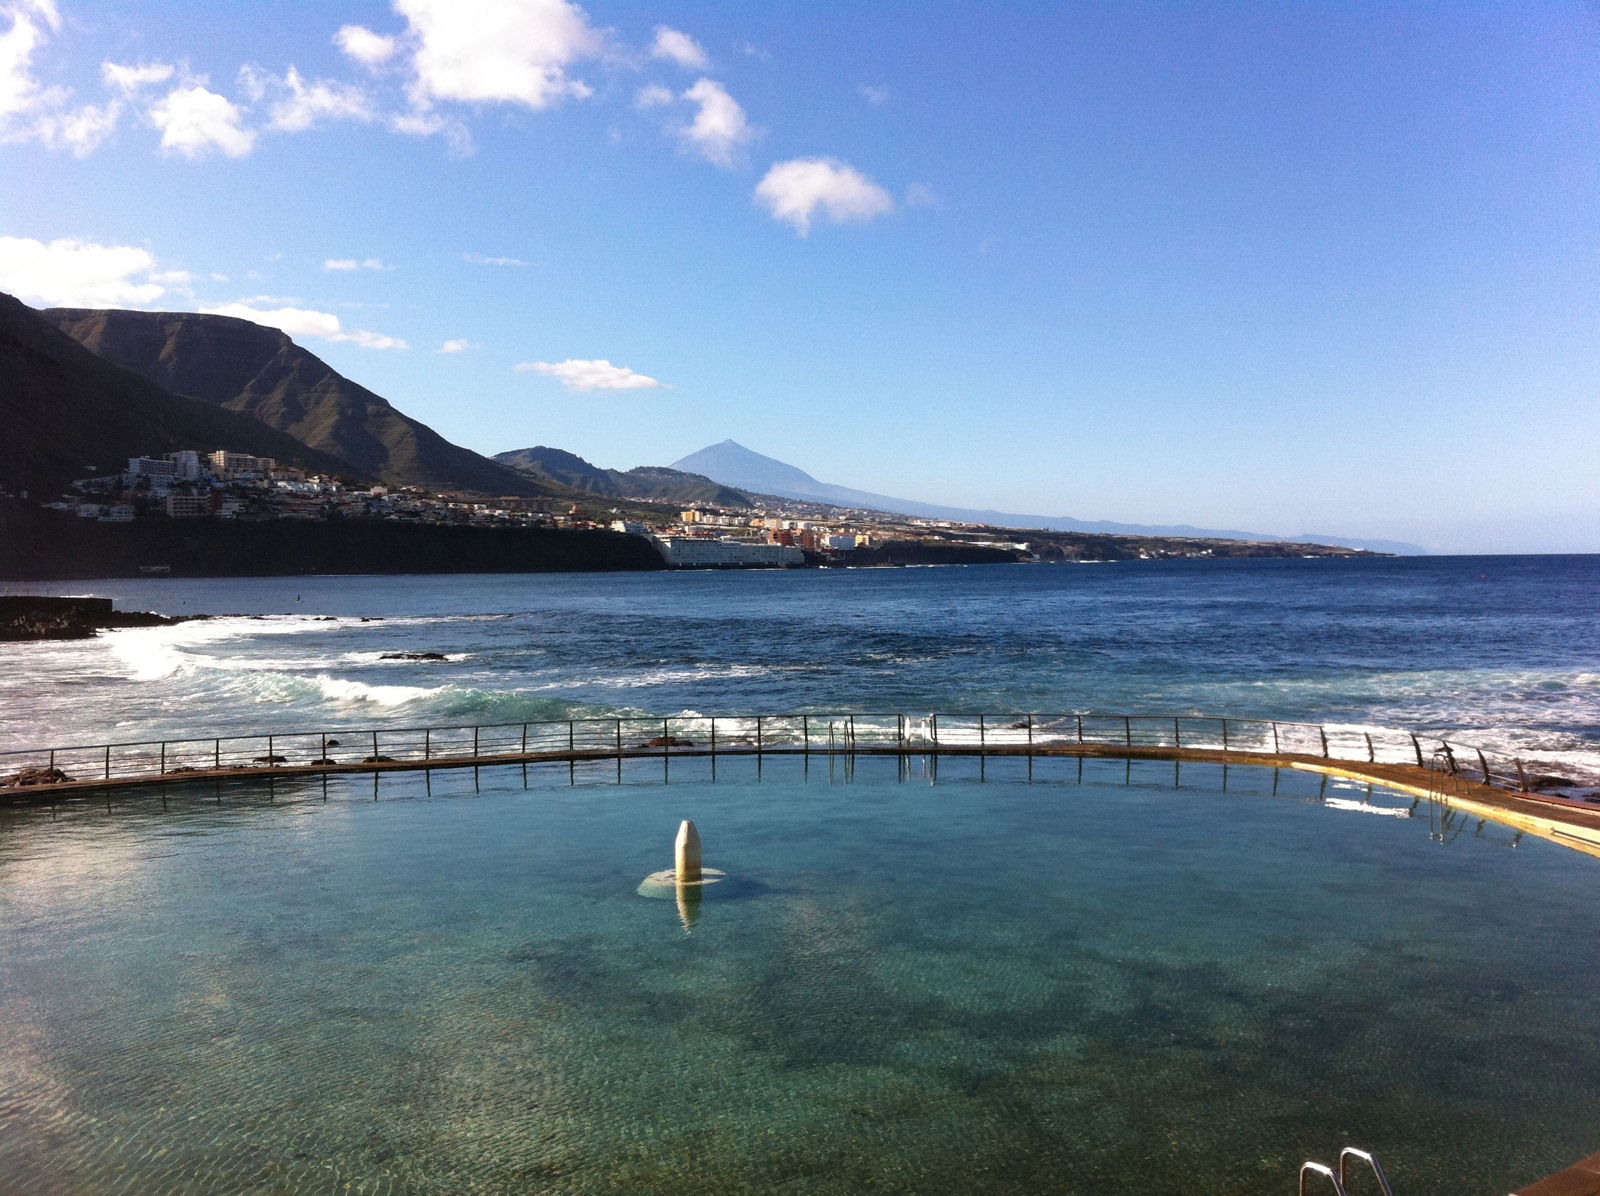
[(25, 772)]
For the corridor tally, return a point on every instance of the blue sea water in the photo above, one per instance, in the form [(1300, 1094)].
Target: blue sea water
[(1503, 652), (1003, 976), (993, 975)]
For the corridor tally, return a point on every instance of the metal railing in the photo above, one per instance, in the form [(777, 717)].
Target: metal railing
[(821, 732)]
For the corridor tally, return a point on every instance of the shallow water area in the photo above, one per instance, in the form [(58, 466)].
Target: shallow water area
[(998, 975)]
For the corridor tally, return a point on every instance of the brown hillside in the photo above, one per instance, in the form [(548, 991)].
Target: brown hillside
[(260, 372)]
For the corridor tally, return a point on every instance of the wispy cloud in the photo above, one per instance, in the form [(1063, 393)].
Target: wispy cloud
[(456, 346), (679, 48), (480, 259), (720, 128), (590, 375), (350, 263), (306, 322), (873, 93)]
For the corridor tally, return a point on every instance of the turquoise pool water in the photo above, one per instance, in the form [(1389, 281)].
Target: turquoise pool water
[(1095, 978)]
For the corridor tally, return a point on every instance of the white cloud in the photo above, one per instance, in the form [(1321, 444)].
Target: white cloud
[(479, 259), (653, 95), (720, 127), (796, 189), (426, 124), (350, 263), (514, 51), (173, 278), (132, 78), (590, 375), (70, 273), (304, 322), (874, 94), (679, 48), (366, 47), (456, 346), (19, 91), (82, 129), (303, 105), (31, 112), (193, 121)]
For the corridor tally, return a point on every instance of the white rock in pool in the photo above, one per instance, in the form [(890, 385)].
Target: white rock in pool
[(686, 877)]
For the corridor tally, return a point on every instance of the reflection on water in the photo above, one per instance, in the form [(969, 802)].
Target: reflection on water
[(929, 975)]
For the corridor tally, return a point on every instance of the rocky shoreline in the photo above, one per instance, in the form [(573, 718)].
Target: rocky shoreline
[(27, 617)]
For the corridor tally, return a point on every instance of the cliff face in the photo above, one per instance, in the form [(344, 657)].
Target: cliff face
[(260, 372), (38, 545), (66, 413)]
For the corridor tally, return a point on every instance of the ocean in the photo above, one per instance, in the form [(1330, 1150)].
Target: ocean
[(1499, 652)]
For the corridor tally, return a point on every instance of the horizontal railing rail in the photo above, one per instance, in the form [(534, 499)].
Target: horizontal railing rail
[(847, 731)]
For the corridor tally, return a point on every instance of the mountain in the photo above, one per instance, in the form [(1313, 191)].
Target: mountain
[(68, 414), (647, 481), (734, 465), (260, 372)]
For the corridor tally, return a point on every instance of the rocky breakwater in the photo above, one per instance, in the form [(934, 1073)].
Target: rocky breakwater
[(48, 617)]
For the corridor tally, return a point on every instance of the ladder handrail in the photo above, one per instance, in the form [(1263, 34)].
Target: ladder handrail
[(1309, 1169), (1350, 1152)]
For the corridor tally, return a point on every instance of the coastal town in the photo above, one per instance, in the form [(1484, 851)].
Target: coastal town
[(225, 485)]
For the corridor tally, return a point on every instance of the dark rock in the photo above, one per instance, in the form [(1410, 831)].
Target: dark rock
[(324, 760), (270, 760), (377, 759), (34, 776), (328, 743), (667, 741), (1551, 782), (413, 656)]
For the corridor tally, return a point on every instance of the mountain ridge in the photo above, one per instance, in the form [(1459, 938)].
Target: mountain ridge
[(732, 464), (258, 371), (653, 482), (68, 413)]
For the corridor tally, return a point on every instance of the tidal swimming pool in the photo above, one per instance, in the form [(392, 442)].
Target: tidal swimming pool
[(986, 976)]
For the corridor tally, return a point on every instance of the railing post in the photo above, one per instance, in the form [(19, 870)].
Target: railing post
[(1372, 755), (1522, 776), (108, 763), (713, 735), (1224, 734), (983, 735), (900, 731), (1030, 732), (1127, 730), (619, 738), (270, 753), (933, 728), (1484, 763), (216, 754), (375, 748), (524, 739), (665, 737), (1417, 747), (427, 744), (759, 738), (1276, 749), (52, 764), (1323, 733), (474, 744), (805, 734), (1177, 734), (1080, 728), (572, 736)]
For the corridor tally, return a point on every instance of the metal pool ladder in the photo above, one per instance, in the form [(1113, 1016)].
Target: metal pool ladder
[(1341, 1179)]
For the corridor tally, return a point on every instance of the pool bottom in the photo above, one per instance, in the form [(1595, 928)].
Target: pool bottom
[(1079, 979)]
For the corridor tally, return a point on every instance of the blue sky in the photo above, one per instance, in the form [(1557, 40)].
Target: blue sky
[(1309, 267)]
